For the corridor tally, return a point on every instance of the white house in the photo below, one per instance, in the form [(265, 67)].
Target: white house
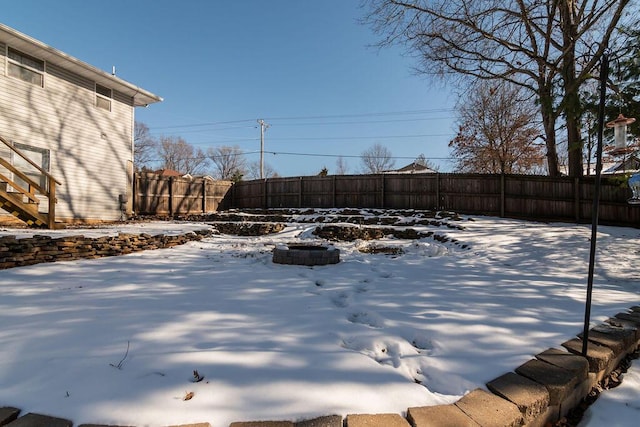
[(72, 120)]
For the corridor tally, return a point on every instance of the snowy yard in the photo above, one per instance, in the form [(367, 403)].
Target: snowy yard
[(374, 333)]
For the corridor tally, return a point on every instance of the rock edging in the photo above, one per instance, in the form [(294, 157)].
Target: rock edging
[(39, 248)]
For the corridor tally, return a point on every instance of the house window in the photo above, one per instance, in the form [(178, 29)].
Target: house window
[(25, 67), (103, 97), (40, 156)]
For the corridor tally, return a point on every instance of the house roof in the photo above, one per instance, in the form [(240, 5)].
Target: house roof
[(167, 172), (413, 167), (630, 164), (47, 53)]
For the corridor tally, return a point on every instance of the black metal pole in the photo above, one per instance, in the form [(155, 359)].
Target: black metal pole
[(604, 73)]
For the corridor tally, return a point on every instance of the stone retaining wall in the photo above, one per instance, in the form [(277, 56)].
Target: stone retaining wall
[(37, 249)]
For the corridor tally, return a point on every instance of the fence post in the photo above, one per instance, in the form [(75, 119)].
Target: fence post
[(438, 202), (300, 192), (382, 201), (502, 194), (234, 201), (204, 196), (170, 196), (333, 196), (264, 194), (576, 195)]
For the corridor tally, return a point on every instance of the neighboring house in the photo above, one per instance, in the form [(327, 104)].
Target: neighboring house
[(73, 120), (167, 172), (629, 164), (413, 167)]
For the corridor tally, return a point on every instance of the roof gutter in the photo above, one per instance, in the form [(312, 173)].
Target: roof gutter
[(141, 97)]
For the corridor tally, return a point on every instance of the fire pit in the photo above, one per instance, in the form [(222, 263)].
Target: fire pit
[(305, 254)]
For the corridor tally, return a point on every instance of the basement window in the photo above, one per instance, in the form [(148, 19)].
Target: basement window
[(103, 97), (25, 67)]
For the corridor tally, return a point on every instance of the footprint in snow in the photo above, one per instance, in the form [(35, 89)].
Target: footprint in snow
[(383, 352), (340, 299), (422, 343), (366, 318), (361, 289), (383, 274)]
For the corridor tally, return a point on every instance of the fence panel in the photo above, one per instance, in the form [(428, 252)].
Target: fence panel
[(409, 191), (283, 192), (480, 194), (161, 195), (359, 191), (318, 191), (151, 194), (540, 197), (518, 196)]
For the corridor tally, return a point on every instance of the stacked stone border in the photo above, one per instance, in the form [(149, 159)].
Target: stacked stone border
[(40, 248)]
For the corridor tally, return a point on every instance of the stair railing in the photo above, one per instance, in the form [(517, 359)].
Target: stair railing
[(50, 188)]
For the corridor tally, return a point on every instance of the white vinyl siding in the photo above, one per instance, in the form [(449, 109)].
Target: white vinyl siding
[(89, 147)]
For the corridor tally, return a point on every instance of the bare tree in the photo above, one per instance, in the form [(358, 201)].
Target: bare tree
[(376, 159), (422, 160), (253, 171), (144, 146), (229, 162), (341, 166), (177, 154), (548, 47), (498, 131)]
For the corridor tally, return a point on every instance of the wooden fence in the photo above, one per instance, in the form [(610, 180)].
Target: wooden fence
[(161, 195), (516, 196)]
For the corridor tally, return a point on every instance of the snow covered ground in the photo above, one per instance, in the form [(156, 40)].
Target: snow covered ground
[(117, 340)]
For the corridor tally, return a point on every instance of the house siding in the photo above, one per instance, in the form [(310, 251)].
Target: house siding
[(90, 148)]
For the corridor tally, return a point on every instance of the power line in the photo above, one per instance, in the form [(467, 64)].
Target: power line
[(350, 156), (324, 138), (319, 117), (363, 122), (289, 153), (205, 124), (340, 138), (393, 113)]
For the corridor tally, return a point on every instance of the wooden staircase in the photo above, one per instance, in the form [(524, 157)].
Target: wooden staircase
[(21, 199)]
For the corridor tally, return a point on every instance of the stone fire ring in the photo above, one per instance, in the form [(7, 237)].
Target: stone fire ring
[(305, 254)]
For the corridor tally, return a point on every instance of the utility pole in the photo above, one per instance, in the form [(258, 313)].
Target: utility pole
[(263, 126)]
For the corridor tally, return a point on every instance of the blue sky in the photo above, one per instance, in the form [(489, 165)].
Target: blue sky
[(306, 67)]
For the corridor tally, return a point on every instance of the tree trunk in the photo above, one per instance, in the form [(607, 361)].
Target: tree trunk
[(574, 146), (549, 124), (571, 86)]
